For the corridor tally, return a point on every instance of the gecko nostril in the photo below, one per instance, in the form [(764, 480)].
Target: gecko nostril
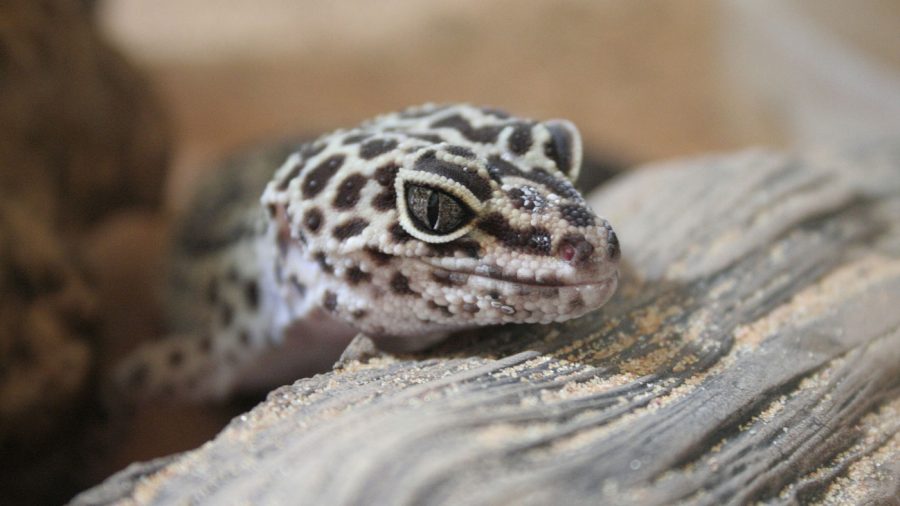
[(612, 247), (575, 249)]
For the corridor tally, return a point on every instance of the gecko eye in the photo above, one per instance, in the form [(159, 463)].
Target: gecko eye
[(435, 212)]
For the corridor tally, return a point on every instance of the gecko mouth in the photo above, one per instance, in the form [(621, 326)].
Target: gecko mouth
[(551, 281), (600, 275), (531, 300), (538, 299)]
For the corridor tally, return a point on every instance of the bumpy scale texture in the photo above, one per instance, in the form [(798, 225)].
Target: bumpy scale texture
[(408, 227)]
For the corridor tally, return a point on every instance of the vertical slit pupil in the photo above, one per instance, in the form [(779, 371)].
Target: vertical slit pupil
[(433, 210)]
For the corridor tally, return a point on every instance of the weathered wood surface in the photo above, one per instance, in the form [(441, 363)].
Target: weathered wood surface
[(752, 354)]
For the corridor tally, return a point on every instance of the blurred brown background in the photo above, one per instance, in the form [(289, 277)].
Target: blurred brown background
[(644, 80)]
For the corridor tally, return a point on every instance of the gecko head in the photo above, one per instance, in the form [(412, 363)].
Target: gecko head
[(447, 217)]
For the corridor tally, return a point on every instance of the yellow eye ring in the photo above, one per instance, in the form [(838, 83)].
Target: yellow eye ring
[(433, 208)]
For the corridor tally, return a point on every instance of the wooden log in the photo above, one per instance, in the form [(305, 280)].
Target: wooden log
[(751, 354)]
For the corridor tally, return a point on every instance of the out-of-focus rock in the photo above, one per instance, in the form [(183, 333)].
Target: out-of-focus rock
[(81, 134), (81, 137)]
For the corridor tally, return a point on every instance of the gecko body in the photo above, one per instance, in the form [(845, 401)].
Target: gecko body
[(406, 228)]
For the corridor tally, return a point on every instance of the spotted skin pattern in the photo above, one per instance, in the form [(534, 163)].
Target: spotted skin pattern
[(406, 228)]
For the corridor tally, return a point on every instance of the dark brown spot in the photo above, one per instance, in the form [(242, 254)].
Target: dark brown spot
[(560, 186), (316, 180), (312, 219), (470, 308), (486, 134), (479, 186), (533, 240), (358, 314), (432, 138), (212, 291), (349, 228), (527, 197), (578, 215), (560, 147), (251, 294), (376, 147), (226, 314), (539, 241), (460, 151), (290, 176), (400, 284), (205, 344), (517, 196), (355, 275), (244, 338), (399, 234), (377, 256), (385, 200), (329, 301), (576, 303), (348, 191), (176, 358), (272, 209), (322, 260), (498, 168), (306, 152), (386, 174), (520, 139)]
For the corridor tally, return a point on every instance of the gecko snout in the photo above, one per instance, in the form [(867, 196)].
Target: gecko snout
[(577, 250)]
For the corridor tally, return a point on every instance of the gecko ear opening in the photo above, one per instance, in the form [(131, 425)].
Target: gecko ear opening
[(564, 147)]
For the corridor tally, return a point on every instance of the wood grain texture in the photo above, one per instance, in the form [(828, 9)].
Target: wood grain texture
[(752, 354)]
